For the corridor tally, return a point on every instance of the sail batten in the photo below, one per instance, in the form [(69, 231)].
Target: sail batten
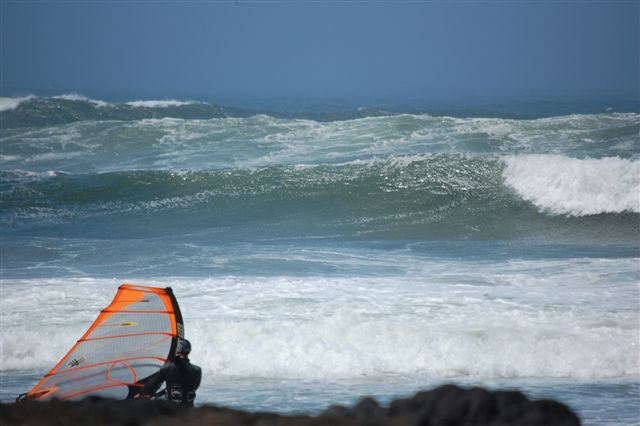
[(127, 335), (131, 339)]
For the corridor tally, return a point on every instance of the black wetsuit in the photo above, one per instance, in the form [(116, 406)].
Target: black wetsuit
[(182, 377)]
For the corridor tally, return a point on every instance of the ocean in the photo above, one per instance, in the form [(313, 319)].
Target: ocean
[(318, 258)]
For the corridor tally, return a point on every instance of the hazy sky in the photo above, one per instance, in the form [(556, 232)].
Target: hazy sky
[(289, 48)]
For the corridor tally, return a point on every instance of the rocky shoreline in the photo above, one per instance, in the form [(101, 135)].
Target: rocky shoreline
[(445, 405)]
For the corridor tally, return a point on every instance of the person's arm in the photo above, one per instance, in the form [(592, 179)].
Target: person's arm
[(155, 381)]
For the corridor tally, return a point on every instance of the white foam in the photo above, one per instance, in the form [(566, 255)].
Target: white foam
[(561, 185), (10, 157), (574, 318), (7, 103), (261, 140), (159, 103), (79, 97), (54, 156)]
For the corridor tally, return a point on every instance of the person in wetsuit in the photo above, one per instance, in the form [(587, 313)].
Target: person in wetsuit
[(182, 377)]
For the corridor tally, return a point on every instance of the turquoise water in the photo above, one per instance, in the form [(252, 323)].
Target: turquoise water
[(318, 261)]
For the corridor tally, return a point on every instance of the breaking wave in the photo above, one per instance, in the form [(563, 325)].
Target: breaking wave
[(81, 98), (32, 111), (159, 103), (429, 197), (575, 187), (260, 140), (152, 167), (7, 104)]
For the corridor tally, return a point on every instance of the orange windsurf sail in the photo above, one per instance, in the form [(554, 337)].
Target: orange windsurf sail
[(128, 343)]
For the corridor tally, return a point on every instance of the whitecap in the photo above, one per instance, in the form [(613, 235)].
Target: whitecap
[(7, 103), (82, 98), (159, 103), (561, 185)]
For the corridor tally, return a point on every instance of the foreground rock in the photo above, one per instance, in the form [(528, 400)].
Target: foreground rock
[(446, 405)]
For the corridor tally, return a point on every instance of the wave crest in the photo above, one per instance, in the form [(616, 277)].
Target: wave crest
[(81, 98), (560, 185), (8, 104), (412, 197), (159, 103)]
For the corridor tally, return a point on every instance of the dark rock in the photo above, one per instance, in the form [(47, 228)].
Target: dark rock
[(366, 408), (452, 405), (444, 406), (335, 411)]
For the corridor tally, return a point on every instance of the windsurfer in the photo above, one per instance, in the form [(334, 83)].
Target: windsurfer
[(182, 379)]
